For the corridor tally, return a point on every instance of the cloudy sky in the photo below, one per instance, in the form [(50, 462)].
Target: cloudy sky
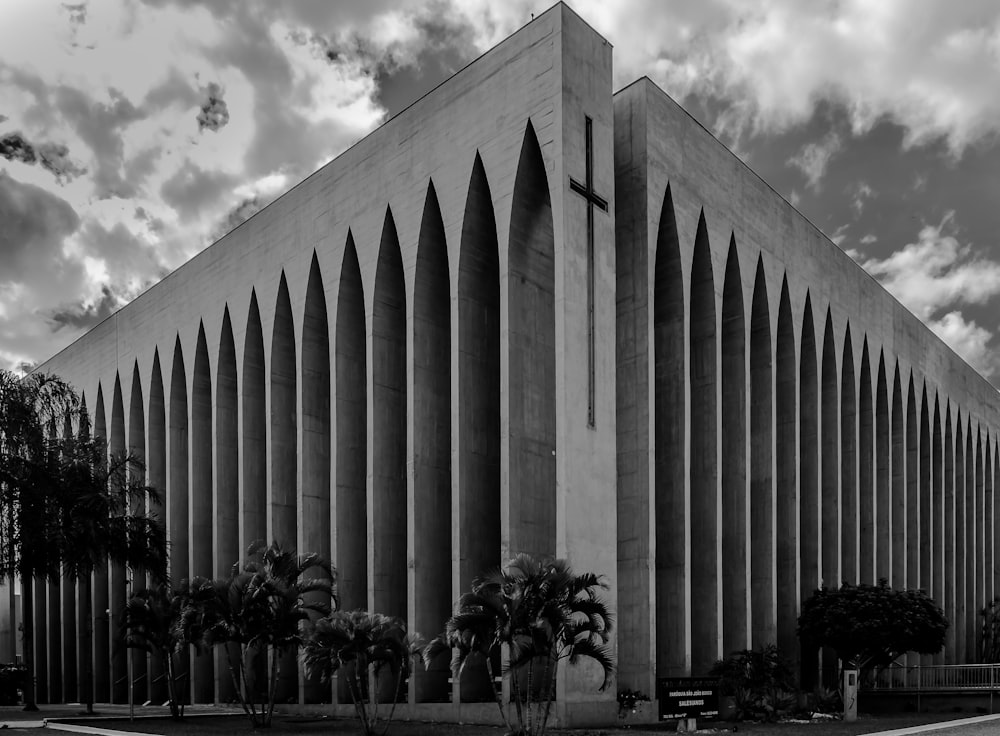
[(135, 132)]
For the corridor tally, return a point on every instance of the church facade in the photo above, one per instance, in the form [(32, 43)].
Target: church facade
[(528, 314)]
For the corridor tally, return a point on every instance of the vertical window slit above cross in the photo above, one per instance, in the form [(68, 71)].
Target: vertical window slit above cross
[(586, 190)]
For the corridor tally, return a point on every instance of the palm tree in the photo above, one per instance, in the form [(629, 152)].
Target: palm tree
[(362, 644), (151, 623), (30, 485), (102, 520), (537, 613), (265, 607)]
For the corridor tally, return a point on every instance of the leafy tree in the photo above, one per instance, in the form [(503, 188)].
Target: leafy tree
[(869, 626), (538, 612), (66, 510), (362, 645), (990, 646), (263, 608), (151, 623)]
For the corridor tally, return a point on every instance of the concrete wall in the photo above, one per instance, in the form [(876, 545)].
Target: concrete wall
[(290, 375), (805, 347)]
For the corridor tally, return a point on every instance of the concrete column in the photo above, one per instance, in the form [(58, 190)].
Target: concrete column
[(704, 473), (830, 460), (898, 493), (809, 475), (883, 477), (200, 521), (912, 490), (868, 525), (349, 510), (786, 476), (762, 479), (735, 591), (950, 549), (177, 487), (137, 447), (430, 430), (225, 495), (156, 470), (117, 581), (849, 536)]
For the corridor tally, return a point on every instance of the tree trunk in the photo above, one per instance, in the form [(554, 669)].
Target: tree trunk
[(86, 594), (27, 624)]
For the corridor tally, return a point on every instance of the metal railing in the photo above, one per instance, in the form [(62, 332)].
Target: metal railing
[(930, 678)]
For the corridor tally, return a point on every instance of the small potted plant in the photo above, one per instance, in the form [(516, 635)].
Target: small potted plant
[(631, 704)]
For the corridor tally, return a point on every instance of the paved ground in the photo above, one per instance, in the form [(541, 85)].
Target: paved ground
[(14, 719), (976, 726)]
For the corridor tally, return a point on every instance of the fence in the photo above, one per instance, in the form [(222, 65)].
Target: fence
[(937, 679)]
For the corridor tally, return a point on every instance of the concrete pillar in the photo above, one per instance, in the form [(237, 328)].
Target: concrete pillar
[(735, 592), (762, 516), (883, 477), (868, 526), (786, 476), (177, 488), (671, 519), (200, 522), (226, 502), (476, 500), (809, 475), (912, 490), (898, 517), (117, 582), (704, 467), (156, 471), (950, 548), (282, 491), (531, 360), (830, 460), (349, 509), (849, 536), (137, 447), (430, 428)]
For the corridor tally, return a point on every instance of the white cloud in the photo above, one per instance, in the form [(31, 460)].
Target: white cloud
[(814, 157), (936, 272), (968, 340)]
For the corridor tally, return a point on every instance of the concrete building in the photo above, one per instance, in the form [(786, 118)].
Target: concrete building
[(528, 314)]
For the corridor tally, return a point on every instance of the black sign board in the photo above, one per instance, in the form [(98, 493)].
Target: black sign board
[(688, 697)]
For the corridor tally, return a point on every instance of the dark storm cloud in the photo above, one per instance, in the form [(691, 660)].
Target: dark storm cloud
[(239, 214), (191, 190), (53, 157), (130, 262), (35, 223), (84, 316), (214, 114), (100, 126)]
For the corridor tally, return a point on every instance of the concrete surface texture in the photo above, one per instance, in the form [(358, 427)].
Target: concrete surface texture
[(429, 356)]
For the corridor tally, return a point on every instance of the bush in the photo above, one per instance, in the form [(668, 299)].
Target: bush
[(760, 682)]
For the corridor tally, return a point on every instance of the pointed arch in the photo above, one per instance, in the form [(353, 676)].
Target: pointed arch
[(431, 526), (809, 458), (226, 505), (282, 501), (116, 574), (101, 638), (350, 512), (866, 471), (926, 494), (670, 500), (735, 597), (883, 476), (156, 471), (316, 418), (67, 620), (254, 502), (178, 474), (284, 421), (974, 545), (898, 520), (950, 571), (848, 465), (200, 524), (227, 456), (762, 563), (532, 353), (969, 538), (137, 448), (961, 475), (478, 384), (912, 489), (830, 458), (704, 534), (938, 513), (389, 426), (787, 496)]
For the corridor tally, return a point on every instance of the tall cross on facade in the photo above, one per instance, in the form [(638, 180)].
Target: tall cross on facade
[(586, 190)]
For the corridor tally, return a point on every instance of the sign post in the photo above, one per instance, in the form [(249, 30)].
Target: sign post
[(687, 699)]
